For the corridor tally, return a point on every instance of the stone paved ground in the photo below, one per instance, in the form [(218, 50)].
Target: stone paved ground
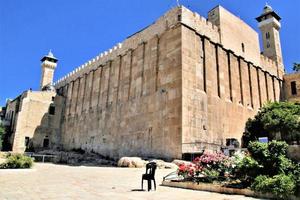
[(49, 181)]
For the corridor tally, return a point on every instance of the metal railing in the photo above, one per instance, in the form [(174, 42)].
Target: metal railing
[(40, 157)]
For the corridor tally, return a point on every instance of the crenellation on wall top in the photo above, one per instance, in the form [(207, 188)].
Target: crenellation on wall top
[(200, 24), (267, 61), (270, 65), (168, 20)]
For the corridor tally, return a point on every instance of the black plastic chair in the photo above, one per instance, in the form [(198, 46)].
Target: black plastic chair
[(150, 173)]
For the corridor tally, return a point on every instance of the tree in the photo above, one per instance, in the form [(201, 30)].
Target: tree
[(296, 67), (277, 119)]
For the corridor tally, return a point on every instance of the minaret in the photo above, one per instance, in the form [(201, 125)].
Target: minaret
[(49, 63), (268, 23)]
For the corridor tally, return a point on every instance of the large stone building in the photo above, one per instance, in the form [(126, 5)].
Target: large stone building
[(181, 85), (33, 118)]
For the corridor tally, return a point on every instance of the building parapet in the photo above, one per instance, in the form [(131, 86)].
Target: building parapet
[(271, 66), (169, 20), (293, 75), (200, 24)]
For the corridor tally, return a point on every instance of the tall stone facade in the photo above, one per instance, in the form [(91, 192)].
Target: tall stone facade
[(128, 102), (30, 124), (181, 85)]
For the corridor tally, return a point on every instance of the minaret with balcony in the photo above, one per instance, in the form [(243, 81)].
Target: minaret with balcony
[(49, 63), (269, 25)]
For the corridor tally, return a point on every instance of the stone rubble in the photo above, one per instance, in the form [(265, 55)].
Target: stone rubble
[(136, 162), (79, 158), (180, 162)]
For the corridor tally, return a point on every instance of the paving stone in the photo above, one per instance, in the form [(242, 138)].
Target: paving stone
[(50, 181)]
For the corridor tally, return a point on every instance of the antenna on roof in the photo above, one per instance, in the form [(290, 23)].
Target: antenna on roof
[(178, 4)]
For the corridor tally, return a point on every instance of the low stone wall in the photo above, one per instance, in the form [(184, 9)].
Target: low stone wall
[(218, 188), (73, 158)]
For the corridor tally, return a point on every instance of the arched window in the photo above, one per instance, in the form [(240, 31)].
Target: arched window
[(268, 45), (267, 35)]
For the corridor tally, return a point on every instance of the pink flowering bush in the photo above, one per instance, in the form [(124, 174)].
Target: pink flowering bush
[(213, 161), (209, 167)]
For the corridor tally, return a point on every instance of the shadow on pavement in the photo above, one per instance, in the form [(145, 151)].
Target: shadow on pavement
[(138, 190)]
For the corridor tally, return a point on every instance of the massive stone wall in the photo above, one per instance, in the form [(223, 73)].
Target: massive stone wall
[(169, 89), (127, 101), (220, 92), (130, 105)]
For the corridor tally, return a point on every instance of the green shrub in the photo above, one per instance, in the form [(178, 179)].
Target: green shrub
[(281, 185), (16, 161), (248, 164), (295, 173), (277, 148), (247, 169), (274, 119), (210, 175), (272, 156), (283, 165), (259, 151)]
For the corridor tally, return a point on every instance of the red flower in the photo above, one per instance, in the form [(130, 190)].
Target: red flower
[(182, 168)]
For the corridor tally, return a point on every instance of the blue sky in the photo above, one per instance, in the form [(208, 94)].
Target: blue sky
[(77, 31)]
